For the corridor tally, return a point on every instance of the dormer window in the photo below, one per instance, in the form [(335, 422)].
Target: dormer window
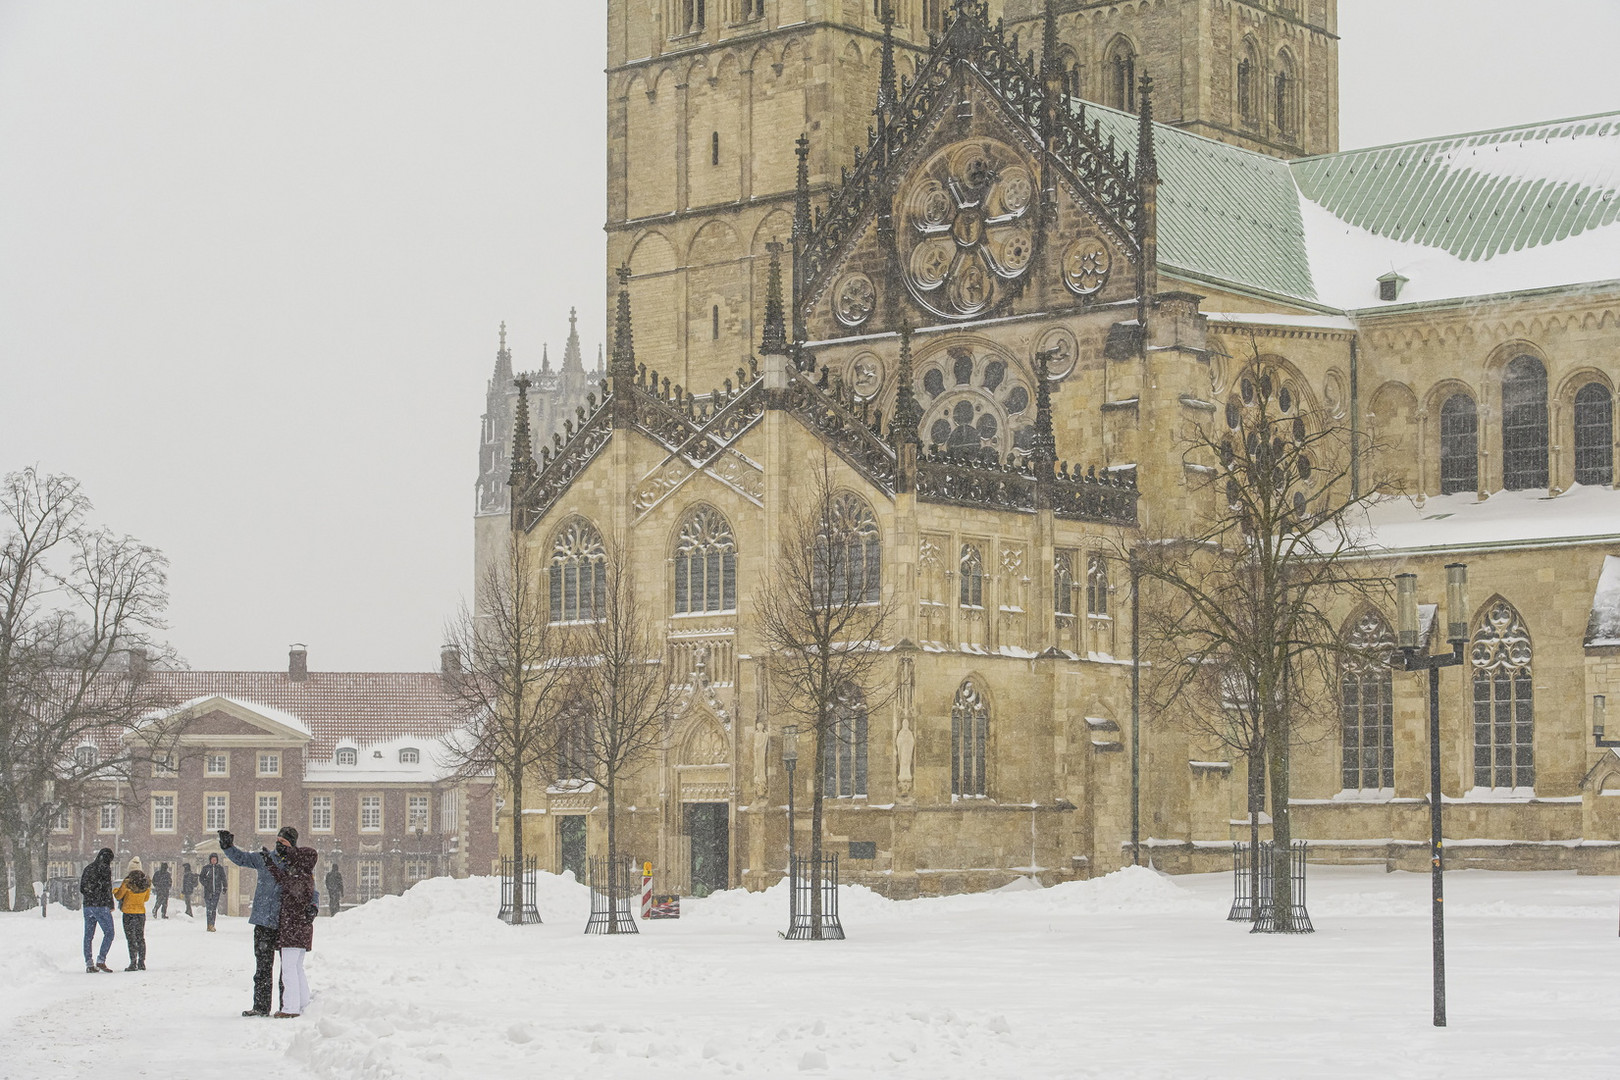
[(410, 756), (1389, 286), (85, 756), (348, 756)]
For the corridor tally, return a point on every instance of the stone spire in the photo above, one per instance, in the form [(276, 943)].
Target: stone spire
[(572, 362), (1147, 194), (907, 412), (545, 357), (888, 97), (1043, 446), (1147, 159), (1051, 70), (622, 369), (801, 230), (523, 467), (503, 364), (773, 340)]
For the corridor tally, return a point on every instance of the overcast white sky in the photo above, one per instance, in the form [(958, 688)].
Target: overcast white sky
[(253, 256)]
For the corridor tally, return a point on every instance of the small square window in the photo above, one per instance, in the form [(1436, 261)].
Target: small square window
[(410, 756), (269, 813), (269, 763), (217, 763), (164, 766)]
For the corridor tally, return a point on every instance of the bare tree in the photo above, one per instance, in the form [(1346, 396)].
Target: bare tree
[(823, 620), (1238, 615), (621, 695), (513, 683), (80, 608)]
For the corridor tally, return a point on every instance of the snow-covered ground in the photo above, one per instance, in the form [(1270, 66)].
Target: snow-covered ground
[(1133, 975)]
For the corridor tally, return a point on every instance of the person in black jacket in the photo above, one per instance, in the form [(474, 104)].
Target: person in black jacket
[(188, 884), (162, 882), (334, 890), (95, 885), (213, 887)]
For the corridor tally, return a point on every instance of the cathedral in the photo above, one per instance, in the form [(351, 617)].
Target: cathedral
[(990, 261)]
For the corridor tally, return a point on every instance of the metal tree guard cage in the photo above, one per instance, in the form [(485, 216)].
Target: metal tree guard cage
[(1243, 906), (531, 913), (615, 893), (800, 925)]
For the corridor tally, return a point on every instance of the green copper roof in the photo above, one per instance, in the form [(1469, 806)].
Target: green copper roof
[(1477, 196), (1225, 213)]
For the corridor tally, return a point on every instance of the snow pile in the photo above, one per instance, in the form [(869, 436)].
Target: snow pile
[(1603, 627)]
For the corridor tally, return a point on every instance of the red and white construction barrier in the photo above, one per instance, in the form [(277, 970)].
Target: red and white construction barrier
[(646, 890)]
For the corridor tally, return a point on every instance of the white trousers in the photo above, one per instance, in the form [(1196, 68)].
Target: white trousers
[(294, 983)]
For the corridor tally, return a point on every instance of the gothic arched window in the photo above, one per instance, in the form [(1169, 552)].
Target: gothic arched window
[(971, 566), (849, 552), (970, 731), (1121, 68), (1594, 435), (1063, 583), (1367, 705), (843, 756), (578, 572), (1096, 585), (1504, 701), (1248, 84), (1285, 92), (705, 563), (1524, 424), (1459, 445)]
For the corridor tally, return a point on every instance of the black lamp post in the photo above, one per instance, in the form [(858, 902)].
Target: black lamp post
[(1407, 639), (1600, 709), (790, 760)]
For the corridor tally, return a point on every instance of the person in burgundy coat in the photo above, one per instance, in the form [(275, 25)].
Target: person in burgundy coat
[(296, 934)]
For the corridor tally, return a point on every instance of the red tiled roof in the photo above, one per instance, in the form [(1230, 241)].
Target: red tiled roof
[(365, 706)]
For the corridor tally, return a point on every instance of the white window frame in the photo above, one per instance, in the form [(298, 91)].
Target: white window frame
[(414, 865), (259, 807), (62, 820), (418, 810), (165, 800), (224, 820), (410, 755), (348, 752), (211, 757), (321, 807), (360, 875), (273, 758), (117, 818), (378, 827)]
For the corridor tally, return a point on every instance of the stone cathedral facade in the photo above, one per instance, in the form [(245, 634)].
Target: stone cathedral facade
[(990, 261)]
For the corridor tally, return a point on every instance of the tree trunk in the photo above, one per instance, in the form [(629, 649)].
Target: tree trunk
[(517, 848), (615, 886), (1282, 836), (818, 788), (5, 893), (22, 862), (1257, 788)]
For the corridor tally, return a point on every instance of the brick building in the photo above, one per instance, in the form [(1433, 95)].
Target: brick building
[(354, 760)]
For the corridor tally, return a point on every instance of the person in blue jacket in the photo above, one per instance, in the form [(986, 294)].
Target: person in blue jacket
[(266, 913)]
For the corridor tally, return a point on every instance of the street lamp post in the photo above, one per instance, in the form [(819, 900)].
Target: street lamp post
[(1408, 639), (790, 759)]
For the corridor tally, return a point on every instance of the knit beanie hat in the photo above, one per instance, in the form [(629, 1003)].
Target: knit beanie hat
[(134, 865), (289, 834)]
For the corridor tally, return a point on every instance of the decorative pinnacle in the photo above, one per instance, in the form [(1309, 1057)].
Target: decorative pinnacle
[(1043, 446), (886, 77), (907, 413), (522, 443), (1049, 42), (801, 201), (1147, 162), (773, 340), (624, 349), (503, 335)]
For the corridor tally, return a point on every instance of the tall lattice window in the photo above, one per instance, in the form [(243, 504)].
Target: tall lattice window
[(970, 731), (1096, 585), (849, 553), (1367, 705), (1504, 702), (705, 563), (843, 757), (1524, 424), (971, 567), (1122, 76), (1594, 435), (1063, 583), (933, 15), (578, 572), (1459, 445)]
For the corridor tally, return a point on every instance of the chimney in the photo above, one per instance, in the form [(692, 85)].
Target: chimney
[(297, 663), (450, 664)]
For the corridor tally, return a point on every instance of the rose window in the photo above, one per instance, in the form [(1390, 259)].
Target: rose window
[(976, 401), (968, 230), (1086, 263)]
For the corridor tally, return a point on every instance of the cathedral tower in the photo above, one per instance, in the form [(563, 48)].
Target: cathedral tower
[(1261, 74), (705, 101)]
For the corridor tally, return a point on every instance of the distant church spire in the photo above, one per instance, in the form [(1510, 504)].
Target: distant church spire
[(773, 340), (572, 362), (545, 357)]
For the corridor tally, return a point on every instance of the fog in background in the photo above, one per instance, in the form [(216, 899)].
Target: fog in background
[(253, 258)]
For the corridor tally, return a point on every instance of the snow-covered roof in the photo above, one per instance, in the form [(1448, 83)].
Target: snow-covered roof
[(1507, 519), (1603, 627), (379, 763)]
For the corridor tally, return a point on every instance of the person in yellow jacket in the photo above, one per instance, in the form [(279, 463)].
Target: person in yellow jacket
[(132, 894)]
